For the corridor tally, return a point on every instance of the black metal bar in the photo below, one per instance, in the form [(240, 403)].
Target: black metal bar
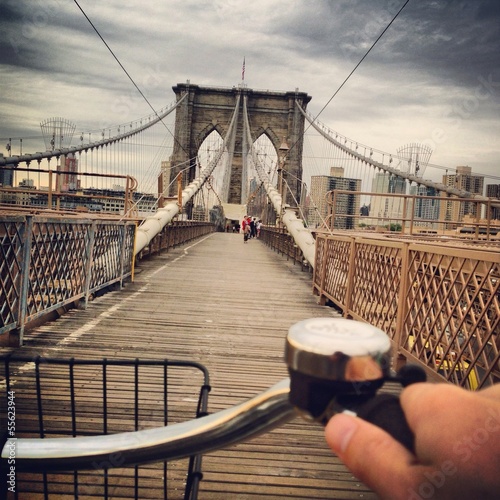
[(73, 416), (165, 423), (105, 419), (39, 396), (136, 423), (40, 419)]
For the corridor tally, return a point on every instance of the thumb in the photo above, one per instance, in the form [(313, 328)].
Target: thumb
[(371, 454)]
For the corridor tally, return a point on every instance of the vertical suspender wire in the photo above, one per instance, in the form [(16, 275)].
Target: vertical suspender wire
[(141, 162), (116, 156), (93, 167), (137, 154), (83, 166), (97, 167), (120, 156), (90, 165), (121, 166), (139, 165), (133, 156), (145, 136), (153, 150), (145, 146), (125, 156), (149, 164), (101, 169), (135, 161), (128, 156), (108, 166), (152, 163), (147, 158)]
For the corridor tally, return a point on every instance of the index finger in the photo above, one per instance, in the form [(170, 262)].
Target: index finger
[(436, 413)]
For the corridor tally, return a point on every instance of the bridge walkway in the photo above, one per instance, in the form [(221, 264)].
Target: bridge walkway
[(228, 305)]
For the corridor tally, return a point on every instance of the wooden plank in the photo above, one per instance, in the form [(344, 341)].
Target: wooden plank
[(227, 305)]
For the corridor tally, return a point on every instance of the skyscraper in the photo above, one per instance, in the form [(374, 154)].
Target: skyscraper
[(387, 207), (425, 209), (6, 177), (69, 180), (493, 191), (462, 179), (347, 206)]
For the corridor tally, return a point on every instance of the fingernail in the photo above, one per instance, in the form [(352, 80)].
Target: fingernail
[(340, 431)]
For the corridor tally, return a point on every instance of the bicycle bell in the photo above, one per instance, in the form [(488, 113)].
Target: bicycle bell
[(332, 358)]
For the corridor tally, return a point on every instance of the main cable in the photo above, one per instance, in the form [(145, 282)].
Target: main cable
[(354, 69), (126, 72), (363, 58)]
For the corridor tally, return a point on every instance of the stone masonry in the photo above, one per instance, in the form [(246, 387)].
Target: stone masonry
[(210, 108)]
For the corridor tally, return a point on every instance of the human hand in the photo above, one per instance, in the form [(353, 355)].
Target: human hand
[(457, 445)]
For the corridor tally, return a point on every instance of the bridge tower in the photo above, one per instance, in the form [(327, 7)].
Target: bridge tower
[(210, 108)]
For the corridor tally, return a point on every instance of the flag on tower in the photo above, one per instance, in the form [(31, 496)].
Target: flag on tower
[(243, 71)]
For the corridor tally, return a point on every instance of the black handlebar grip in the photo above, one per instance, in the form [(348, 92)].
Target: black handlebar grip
[(384, 410)]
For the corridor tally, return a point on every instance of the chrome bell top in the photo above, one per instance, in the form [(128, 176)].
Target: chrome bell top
[(338, 349)]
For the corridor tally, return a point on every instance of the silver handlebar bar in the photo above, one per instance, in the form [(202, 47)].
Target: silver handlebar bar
[(262, 413)]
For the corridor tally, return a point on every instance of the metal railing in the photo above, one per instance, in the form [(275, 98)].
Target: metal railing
[(55, 196), (47, 263), (439, 303), (415, 214), (279, 239), (176, 233)]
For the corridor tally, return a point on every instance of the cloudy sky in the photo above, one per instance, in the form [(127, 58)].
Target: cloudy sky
[(433, 78)]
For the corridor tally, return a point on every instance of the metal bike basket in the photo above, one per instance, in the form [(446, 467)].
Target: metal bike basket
[(77, 397)]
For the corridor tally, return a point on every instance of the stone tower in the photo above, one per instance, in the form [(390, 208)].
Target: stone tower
[(210, 108)]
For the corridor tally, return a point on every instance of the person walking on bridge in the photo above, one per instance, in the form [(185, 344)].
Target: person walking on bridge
[(253, 228), (245, 226)]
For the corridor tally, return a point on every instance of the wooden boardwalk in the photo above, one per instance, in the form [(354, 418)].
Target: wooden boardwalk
[(227, 305)]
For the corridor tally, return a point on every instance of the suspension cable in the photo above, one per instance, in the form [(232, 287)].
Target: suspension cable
[(352, 72)]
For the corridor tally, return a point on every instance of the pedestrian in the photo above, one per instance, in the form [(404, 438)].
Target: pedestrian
[(253, 229), (245, 226), (258, 226)]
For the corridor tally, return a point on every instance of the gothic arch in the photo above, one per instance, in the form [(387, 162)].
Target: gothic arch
[(207, 131), (269, 133), (210, 108)]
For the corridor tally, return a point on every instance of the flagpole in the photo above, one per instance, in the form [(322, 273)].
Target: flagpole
[(243, 70)]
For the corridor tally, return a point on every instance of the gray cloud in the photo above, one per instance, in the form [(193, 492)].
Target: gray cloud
[(437, 67)]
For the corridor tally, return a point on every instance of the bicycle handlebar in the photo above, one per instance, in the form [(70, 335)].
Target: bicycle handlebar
[(328, 374), (260, 414)]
